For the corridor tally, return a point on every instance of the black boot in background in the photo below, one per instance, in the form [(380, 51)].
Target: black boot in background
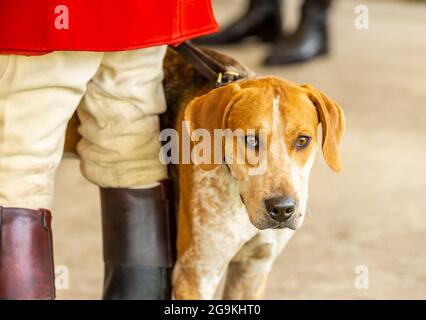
[(310, 39), (262, 20), (139, 243)]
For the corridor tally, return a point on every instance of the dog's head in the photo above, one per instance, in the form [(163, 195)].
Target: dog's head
[(277, 122)]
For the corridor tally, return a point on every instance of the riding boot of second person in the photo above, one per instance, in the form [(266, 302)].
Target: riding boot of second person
[(26, 255), (263, 20), (310, 38)]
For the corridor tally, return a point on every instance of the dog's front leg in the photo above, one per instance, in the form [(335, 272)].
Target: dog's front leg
[(249, 270), (193, 280), (213, 225), (203, 261)]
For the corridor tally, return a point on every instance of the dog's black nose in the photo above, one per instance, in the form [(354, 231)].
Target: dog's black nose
[(281, 208)]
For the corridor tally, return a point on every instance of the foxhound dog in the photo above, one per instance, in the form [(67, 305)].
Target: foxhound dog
[(229, 219)]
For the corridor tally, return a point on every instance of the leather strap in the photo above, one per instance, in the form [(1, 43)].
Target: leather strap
[(206, 65), (26, 254)]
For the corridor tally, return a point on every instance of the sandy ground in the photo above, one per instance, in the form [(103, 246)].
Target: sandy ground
[(373, 214)]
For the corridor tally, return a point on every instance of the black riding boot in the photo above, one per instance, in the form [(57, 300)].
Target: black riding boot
[(310, 39), (139, 245), (262, 20)]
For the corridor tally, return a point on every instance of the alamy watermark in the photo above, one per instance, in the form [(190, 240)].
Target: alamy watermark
[(62, 17), (362, 280), (362, 19), (223, 146), (62, 277)]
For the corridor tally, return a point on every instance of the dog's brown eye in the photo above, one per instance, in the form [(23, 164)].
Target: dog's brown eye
[(302, 142), (252, 142)]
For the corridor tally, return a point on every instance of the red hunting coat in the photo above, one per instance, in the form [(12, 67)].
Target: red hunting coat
[(40, 26)]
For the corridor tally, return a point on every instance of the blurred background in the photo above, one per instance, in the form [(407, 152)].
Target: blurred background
[(372, 215)]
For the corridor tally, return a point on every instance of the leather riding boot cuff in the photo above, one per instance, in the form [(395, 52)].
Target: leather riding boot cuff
[(26, 254), (139, 242), (136, 226)]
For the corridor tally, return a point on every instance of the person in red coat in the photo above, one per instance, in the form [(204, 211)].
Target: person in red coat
[(103, 59)]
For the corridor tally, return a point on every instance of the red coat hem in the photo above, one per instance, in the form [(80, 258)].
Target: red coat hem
[(111, 47)]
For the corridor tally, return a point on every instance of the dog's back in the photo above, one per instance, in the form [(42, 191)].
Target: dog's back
[(183, 83)]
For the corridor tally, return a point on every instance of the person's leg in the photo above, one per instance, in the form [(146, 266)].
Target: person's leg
[(309, 40), (37, 97), (120, 153), (263, 19)]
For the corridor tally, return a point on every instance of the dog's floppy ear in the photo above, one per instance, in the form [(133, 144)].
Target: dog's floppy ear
[(210, 112), (333, 125)]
